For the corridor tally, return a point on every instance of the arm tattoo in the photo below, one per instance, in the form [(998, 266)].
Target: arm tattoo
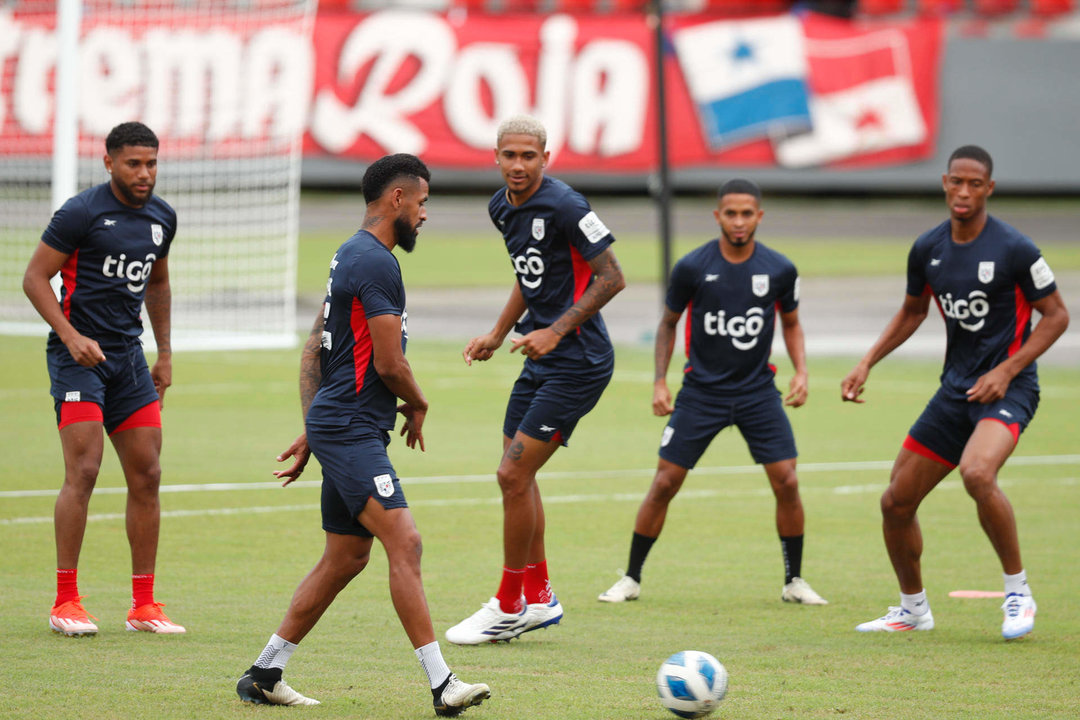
[(608, 282), (515, 451), (158, 301), (311, 366)]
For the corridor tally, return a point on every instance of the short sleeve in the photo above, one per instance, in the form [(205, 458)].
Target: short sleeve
[(68, 226), (789, 289), (681, 287), (170, 233), (584, 229), (1031, 272), (916, 272), (380, 289)]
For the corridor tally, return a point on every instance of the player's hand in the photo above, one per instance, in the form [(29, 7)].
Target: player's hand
[(798, 390), (162, 375), (480, 348), (536, 344), (300, 453), (85, 351), (661, 399), (990, 387), (413, 425), (851, 387)]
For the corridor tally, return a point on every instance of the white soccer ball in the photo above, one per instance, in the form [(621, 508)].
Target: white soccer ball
[(691, 683)]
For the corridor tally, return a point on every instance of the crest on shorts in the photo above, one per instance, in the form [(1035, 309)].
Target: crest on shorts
[(384, 484), (986, 271), (538, 228), (760, 285), (157, 234)]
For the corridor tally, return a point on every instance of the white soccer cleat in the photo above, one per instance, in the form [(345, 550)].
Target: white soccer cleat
[(457, 696), (254, 690), (541, 615), (627, 588), (1019, 616), (899, 620), (488, 624), (799, 591), (71, 619)]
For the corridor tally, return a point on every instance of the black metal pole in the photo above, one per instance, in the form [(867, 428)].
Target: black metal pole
[(662, 189)]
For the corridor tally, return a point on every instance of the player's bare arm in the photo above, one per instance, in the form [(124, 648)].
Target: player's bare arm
[(396, 373), (662, 351), (158, 301), (44, 264), (608, 282), (1054, 320), (795, 342), (483, 347), (906, 321), (310, 379)]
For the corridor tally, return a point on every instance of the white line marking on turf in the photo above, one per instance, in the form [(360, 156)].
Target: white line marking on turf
[(854, 466)]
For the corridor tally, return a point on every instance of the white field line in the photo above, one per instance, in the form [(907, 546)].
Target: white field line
[(877, 487)]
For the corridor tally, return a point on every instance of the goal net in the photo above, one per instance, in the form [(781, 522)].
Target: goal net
[(225, 85)]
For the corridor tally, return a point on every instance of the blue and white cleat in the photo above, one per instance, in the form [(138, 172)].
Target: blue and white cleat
[(1019, 616), (489, 624), (541, 615)]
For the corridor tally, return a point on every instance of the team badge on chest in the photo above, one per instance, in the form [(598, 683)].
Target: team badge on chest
[(538, 228), (157, 234), (986, 271), (760, 285)]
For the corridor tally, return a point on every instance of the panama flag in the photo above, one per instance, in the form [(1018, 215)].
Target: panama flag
[(747, 78), (863, 99)]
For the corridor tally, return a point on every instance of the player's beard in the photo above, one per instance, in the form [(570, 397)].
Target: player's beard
[(740, 243), (130, 197), (404, 234)]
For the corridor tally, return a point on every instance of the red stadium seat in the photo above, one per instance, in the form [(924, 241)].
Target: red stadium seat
[(995, 7), (881, 7), (939, 7), (1051, 7), (746, 7)]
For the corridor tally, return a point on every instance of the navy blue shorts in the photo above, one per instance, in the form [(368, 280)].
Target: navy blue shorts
[(355, 467), (548, 401), (119, 386), (948, 421), (697, 419)]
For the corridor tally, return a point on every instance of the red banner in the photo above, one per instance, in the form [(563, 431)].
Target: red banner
[(438, 85)]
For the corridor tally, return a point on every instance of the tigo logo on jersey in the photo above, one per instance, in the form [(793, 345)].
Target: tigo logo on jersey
[(760, 285), (737, 327), (538, 228), (157, 234), (986, 271), (975, 306), (136, 271), (384, 484)]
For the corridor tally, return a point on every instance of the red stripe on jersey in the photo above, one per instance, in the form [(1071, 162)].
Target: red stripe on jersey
[(67, 273), (1023, 317), (937, 302), (582, 275), (918, 448), (361, 342), (689, 325)]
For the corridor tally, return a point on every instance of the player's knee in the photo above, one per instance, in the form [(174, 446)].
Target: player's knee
[(980, 478), (145, 483), (356, 564), (785, 485), (894, 506), (664, 488), (513, 482), (81, 477)]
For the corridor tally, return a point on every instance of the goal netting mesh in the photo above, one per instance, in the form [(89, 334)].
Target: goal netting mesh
[(225, 85)]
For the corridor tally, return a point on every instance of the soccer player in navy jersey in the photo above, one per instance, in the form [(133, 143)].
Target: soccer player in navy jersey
[(566, 271), (986, 277), (732, 290), (352, 372), (110, 245)]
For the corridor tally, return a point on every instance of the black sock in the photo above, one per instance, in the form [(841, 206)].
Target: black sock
[(437, 692), (639, 550), (791, 547)]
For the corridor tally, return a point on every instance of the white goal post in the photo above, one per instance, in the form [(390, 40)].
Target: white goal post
[(225, 84)]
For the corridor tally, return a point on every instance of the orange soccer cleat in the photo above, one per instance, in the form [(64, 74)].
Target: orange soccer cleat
[(150, 618)]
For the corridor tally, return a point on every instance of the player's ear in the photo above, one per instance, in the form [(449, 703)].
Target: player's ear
[(990, 188), (107, 159), (547, 157)]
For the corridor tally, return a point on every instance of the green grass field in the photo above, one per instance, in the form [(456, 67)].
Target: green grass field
[(230, 559)]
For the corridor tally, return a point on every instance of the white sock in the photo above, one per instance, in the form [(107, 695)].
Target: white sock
[(1016, 584), (916, 604), (431, 659), (276, 653)]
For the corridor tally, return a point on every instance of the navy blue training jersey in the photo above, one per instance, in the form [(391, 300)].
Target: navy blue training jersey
[(551, 238), (984, 290), (365, 282), (112, 248), (731, 315)]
